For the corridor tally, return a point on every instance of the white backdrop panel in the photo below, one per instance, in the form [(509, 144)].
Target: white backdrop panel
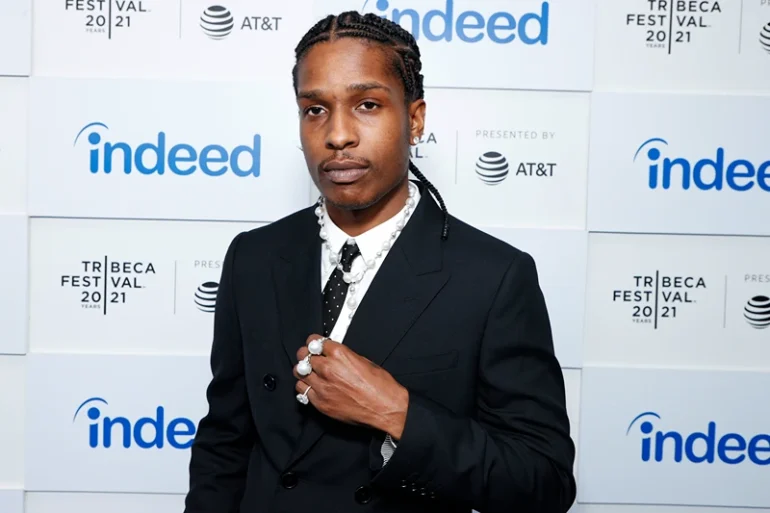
[(13, 276), (667, 163), (674, 436), (100, 423), (126, 286), (12, 501), (683, 44), (169, 150), (13, 143), (508, 158), (165, 39), (562, 280), (38, 502), (12, 404), (508, 44), (15, 38), (678, 300)]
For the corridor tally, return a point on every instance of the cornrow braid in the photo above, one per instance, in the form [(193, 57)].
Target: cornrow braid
[(406, 63)]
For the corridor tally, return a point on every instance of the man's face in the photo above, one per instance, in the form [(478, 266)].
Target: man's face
[(354, 125)]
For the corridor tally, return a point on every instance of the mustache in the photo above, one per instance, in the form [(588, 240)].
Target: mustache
[(343, 156)]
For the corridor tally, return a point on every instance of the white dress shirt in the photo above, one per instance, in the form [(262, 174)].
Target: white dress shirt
[(369, 243)]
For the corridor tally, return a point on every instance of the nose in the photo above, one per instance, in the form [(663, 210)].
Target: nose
[(341, 131)]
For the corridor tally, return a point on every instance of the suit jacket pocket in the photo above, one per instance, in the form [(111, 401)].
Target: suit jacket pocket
[(422, 364)]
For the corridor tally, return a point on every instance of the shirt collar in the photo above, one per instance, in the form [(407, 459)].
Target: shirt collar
[(369, 242)]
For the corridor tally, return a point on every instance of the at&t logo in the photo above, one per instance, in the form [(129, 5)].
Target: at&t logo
[(704, 174), (145, 432), (708, 446), (158, 156), (468, 26)]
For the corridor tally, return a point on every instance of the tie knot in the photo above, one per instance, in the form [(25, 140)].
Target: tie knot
[(349, 253)]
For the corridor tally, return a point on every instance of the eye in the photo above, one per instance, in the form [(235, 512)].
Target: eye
[(369, 105), (313, 111)]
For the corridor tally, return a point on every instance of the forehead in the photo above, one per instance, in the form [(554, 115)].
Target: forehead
[(336, 64)]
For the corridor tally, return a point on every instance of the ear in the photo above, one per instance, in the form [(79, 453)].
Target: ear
[(416, 120)]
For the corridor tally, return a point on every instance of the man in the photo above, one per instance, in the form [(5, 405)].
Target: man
[(372, 352)]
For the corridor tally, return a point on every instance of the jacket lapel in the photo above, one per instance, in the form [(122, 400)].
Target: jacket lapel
[(298, 288), (407, 281)]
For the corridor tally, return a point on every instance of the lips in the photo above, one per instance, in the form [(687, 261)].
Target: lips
[(344, 171)]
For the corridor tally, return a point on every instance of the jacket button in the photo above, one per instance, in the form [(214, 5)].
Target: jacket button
[(289, 480), (269, 382), (363, 494)]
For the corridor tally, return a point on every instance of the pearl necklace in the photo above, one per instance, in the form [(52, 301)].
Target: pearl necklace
[(349, 277)]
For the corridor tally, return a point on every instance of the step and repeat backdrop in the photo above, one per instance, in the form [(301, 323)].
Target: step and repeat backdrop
[(137, 138)]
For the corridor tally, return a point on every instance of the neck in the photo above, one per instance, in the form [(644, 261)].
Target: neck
[(356, 222)]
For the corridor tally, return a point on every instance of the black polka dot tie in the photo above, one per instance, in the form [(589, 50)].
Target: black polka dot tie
[(336, 289)]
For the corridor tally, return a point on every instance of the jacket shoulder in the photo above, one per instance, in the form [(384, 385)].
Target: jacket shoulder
[(263, 241)]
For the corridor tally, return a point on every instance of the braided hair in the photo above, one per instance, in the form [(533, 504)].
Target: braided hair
[(406, 63)]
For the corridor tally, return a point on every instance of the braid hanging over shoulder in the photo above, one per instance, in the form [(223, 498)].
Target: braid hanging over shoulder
[(406, 63)]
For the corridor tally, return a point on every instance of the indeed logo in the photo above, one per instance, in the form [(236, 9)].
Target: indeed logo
[(700, 447), (706, 173), (144, 432), (469, 26), (157, 156)]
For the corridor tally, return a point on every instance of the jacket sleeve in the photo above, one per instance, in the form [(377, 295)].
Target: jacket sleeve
[(226, 434), (515, 454)]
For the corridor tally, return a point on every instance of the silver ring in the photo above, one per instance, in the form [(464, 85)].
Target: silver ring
[(302, 398)]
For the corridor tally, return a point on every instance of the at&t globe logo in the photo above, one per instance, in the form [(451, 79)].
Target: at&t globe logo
[(764, 37), (152, 432), (709, 446), (206, 296), (709, 172), (469, 26), (492, 168), (161, 155), (757, 312), (217, 22)]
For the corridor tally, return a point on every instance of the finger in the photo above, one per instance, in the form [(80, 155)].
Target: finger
[(300, 388), (314, 336), (302, 352)]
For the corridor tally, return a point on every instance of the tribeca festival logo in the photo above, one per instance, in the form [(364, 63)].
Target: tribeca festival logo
[(161, 154), (764, 38), (671, 23), (709, 446), (494, 166), (469, 26), (423, 147), (709, 172), (106, 283), (656, 297), (152, 432), (108, 16), (218, 22)]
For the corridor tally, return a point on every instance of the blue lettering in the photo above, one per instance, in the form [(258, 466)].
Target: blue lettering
[(704, 174), (179, 428), (174, 157), (145, 433), (182, 159), (755, 448), (470, 26), (700, 447)]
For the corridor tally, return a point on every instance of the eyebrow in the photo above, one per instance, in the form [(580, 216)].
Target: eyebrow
[(314, 94)]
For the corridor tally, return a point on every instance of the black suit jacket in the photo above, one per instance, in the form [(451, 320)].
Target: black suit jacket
[(461, 323)]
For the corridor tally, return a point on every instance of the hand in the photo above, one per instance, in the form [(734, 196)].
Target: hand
[(350, 388)]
